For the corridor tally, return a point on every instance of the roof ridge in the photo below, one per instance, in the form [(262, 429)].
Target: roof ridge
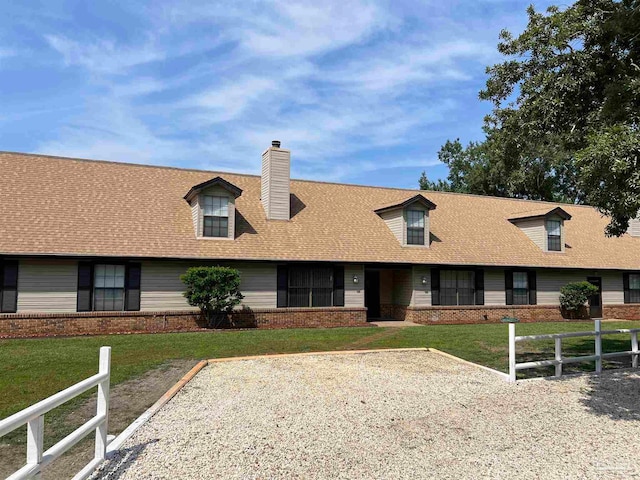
[(324, 182)]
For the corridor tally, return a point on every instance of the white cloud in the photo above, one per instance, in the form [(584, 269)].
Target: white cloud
[(103, 56)]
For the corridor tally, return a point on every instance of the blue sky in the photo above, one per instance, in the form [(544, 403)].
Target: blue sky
[(360, 91)]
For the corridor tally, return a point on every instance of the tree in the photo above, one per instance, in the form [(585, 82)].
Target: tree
[(565, 124), (574, 296), (214, 290)]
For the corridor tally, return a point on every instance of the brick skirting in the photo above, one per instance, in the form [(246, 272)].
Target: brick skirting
[(19, 325), (494, 314)]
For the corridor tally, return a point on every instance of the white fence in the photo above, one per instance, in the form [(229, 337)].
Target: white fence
[(33, 416), (559, 360)]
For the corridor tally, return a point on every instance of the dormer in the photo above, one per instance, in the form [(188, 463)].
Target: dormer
[(545, 227), (213, 209), (409, 220)]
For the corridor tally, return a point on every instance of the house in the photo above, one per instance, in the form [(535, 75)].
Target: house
[(95, 246)]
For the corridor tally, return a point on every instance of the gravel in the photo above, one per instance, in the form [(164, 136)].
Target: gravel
[(385, 415)]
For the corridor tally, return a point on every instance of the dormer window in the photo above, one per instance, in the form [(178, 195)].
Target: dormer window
[(415, 227), (554, 235), (213, 209), (409, 220), (544, 227), (215, 216)]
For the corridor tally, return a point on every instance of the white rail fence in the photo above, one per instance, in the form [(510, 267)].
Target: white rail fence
[(560, 360), (33, 416)]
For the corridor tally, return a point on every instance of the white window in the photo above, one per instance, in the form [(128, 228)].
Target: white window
[(554, 235), (215, 216), (108, 287), (415, 227), (520, 288)]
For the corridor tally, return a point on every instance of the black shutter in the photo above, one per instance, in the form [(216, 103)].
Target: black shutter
[(85, 286), (283, 286), (508, 286), (132, 285), (338, 286), (435, 286), (625, 286), (9, 287), (479, 287), (533, 288)]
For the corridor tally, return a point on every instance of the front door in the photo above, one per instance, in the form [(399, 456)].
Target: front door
[(372, 293), (595, 301)]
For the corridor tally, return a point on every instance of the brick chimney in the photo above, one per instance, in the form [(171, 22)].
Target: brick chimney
[(276, 166)]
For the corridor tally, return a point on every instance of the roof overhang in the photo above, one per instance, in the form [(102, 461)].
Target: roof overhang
[(419, 198), (558, 211), (214, 182)]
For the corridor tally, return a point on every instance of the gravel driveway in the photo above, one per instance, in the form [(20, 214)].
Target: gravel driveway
[(385, 415)]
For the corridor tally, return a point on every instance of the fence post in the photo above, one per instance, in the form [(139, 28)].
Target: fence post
[(35, 435), (559, 356), (634, 349), (103, 403), (512, 352), (598, 346)]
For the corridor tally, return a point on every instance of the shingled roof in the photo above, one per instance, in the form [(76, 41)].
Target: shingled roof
[(70, 207)]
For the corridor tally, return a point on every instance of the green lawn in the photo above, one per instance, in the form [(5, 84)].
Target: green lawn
[(36, 368)]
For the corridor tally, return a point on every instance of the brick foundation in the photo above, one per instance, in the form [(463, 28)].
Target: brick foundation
[(494, 314), (100, 323)]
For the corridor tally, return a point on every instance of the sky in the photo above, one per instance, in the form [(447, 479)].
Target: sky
[(360, 91)]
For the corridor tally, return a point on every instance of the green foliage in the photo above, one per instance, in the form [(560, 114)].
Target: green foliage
[(215, 290), (574, 296), (565, 124)]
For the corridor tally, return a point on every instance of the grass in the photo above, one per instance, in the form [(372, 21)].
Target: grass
[(33, 369)]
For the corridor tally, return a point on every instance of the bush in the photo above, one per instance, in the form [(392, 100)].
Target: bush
[(214, 290), (574, 296)]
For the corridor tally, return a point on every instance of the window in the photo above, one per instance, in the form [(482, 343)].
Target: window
[(634, 287), (8, 287), (457, 287), (554, 235), (520, 288), (215, 216), (415, 227), (108, 291), (310, 287)]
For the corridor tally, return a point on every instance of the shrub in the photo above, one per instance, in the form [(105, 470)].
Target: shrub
[(214, 290), (574, 296)]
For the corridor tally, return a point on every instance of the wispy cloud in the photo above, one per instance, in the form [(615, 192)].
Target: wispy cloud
[(353, 88)]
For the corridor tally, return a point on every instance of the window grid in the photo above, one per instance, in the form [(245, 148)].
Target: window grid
[(310, 287), (108, 288), (457, 287), (554, 235), (634, 287), (415, 227), (215, 216), (520, 288)]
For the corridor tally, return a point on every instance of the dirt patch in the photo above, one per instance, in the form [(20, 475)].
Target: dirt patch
[(128, 400)]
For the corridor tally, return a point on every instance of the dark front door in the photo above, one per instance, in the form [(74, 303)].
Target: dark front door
[(595, 301), (372, 293)]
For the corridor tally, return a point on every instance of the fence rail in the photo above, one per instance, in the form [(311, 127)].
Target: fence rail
[(33, 416), (558, 361)]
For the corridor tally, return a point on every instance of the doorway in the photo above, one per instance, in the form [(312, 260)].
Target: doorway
[(595, 301), (372, 293)]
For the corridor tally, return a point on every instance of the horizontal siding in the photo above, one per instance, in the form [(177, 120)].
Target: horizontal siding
[(421, 296), (277, 181), (612, 288), (353, 293), (47, 286), (162, 289), (494, 293), (535, 230), (634, 227), (550, 282), (402, 287), (395, 222)]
